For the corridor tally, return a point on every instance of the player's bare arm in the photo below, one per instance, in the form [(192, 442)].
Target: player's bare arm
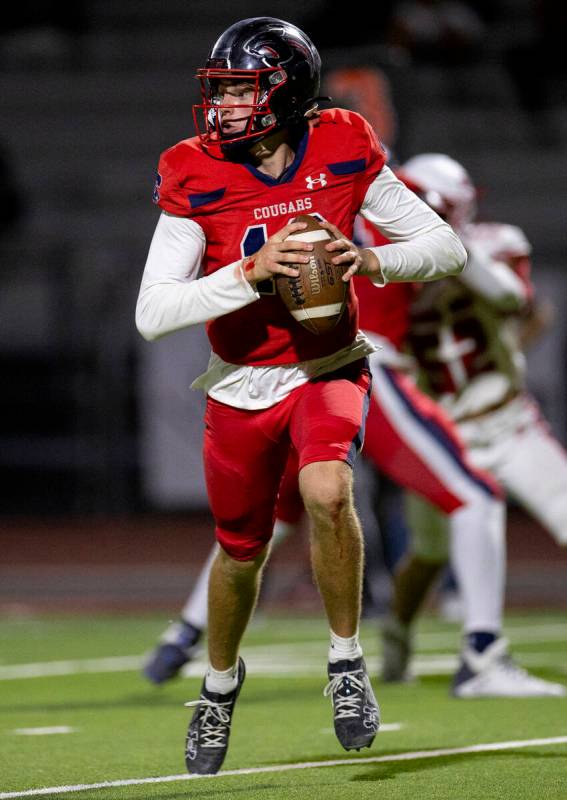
[(359, 260), (276, 256)]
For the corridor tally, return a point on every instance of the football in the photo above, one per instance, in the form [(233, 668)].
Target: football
[(316, 298)]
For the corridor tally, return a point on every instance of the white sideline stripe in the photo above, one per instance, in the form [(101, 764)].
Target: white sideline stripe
[(517, 634), (308, 236), (57, 668), (297, 663), (349, 762), (44, 731), (317, 311)]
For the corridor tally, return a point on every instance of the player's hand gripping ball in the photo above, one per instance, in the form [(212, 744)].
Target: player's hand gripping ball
[(317, 297)]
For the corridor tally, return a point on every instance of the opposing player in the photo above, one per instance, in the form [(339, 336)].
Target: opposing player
[(413, 441), (263, 154), (466, 338)]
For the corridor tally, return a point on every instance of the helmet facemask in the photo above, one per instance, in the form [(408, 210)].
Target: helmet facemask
[(283, 68), (261, 119)]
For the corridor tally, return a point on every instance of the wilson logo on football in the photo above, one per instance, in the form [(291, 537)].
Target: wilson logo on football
[(312, 182)]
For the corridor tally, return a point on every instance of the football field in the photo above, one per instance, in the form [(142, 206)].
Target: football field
[(78, 720)]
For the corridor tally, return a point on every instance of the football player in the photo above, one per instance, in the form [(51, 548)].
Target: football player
[(466, 337), (412, 441), (264, 152)]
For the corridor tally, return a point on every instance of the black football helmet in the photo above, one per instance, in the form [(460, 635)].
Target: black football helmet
[(283, 66)]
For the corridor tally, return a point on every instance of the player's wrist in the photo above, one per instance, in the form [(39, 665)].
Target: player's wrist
[(249, 270), (370, 264)]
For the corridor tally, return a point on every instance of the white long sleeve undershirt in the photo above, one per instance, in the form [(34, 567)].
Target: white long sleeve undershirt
[(173, 296), (423, 247)]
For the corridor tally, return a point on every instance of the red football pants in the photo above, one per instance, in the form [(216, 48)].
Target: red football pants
[(245, 452), (411, 440)]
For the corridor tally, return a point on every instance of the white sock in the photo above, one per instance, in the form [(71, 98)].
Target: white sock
[(221, 681), (342, 648), (478, 554)]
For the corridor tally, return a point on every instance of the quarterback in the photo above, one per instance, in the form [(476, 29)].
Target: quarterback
[(262, 148)]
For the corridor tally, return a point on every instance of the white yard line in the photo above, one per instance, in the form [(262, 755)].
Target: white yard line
[(517, 634), (302, 658), (296, 660), (349, 762), (44, 731), (45, 669)]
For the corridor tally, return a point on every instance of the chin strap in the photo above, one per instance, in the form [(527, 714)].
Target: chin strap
[(312, 103)]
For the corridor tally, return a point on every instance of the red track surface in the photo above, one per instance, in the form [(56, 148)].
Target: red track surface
[(149, 563)]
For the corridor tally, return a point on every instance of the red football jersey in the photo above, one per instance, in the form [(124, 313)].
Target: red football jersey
[(384, 310), (239, 207)]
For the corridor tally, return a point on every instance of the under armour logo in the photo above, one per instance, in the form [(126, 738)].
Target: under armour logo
[(322, 180)]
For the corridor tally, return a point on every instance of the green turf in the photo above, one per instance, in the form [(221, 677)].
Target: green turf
[(126, 728)]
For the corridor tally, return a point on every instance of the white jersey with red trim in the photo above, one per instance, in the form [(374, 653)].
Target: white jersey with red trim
[(464, 332)]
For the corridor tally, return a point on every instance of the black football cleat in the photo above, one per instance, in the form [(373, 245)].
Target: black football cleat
[(355, 710), (209, 729), (179, 646)]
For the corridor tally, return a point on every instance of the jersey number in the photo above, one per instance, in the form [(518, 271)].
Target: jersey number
[(254, 237)]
